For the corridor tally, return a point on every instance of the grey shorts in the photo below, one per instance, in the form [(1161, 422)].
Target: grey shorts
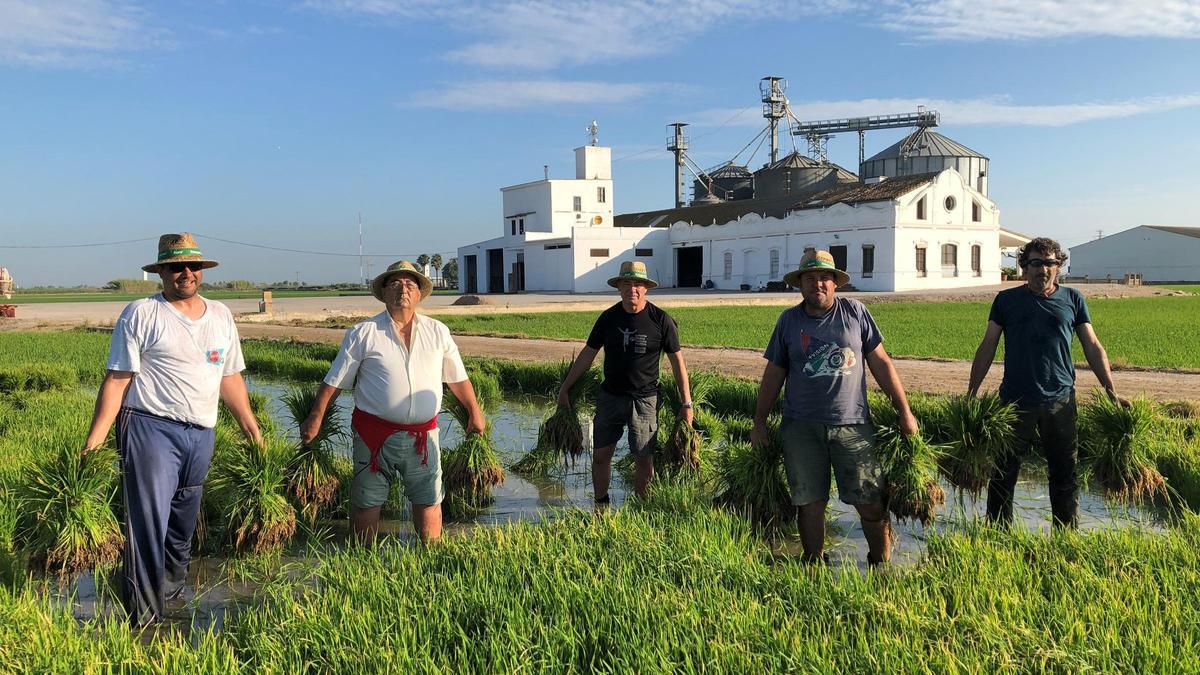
[(614, 413), (810, 449), (398, 458)]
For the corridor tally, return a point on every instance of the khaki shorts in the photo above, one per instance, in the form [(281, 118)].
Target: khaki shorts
[(614, 413), (398, 458), (810, 449)]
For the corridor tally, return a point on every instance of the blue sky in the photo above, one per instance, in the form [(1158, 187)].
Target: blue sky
[(277, 122)]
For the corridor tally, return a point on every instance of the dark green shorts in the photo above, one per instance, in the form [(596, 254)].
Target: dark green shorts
[(614, 413), (811, 449)]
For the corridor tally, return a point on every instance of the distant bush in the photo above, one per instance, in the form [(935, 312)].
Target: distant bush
[(133, 286)]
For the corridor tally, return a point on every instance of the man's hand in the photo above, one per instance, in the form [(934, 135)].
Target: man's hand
[(908, 423), (759, 435), (477, 423), (1123, 402), (564, 397), (87, 448), (310, 428), (688, 414)]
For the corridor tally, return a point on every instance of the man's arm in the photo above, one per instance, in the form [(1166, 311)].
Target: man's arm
[(885, 375), (233, 393), (312, 424), (582, 362), (108, 404), (773, 378), (1097, 359), (681, 379), (464, 391), (983, 357)]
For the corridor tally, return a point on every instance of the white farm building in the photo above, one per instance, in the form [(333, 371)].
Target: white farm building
[(1159, 253), (922, 219)]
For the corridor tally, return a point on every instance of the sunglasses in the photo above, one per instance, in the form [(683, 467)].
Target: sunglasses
[(179, 267), (1041, 262)]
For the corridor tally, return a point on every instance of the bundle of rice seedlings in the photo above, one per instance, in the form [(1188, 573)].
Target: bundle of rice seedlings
[(910, 466), (737, 428), (752, 478), (1186, 410), (977, 432), (1115, 442), (560, 437), (472, 468), (684, 443), (312, 478), (66, 519), (734, 397), (259, 405), (250, 490)]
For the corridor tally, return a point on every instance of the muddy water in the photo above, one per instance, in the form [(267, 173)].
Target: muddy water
[(515, 425)]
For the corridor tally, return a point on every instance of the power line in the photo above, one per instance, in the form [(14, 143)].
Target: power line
[(103, 243)]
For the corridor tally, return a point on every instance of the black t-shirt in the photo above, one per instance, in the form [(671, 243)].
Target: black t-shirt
[(1038, 368), (633, 346)]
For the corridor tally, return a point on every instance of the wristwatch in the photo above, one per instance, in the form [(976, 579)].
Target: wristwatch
[(686, 405)]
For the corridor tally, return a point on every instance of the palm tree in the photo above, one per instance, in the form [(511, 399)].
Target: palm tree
[(423, 262), (436, 261)]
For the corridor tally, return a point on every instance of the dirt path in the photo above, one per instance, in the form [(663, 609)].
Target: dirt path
[(938, 377)]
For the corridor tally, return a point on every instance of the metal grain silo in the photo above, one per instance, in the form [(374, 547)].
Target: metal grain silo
[(730, 182), (798, 174), (925, 151)]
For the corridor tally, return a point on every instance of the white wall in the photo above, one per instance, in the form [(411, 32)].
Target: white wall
[(1155, 254), (592, 273)]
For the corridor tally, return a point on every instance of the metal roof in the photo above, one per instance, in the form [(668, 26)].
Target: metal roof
[(706, 214), (927, 144), (859, 192), (730, 171), (795, 160), (1185, 231)]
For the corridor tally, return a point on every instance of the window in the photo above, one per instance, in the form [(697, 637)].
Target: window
[(521, 225), (554, 247), (949, 260), (920, 261), (868, 268), (578, 203), (921, 209), (601, 195), (976, 253), (774, 263), (728, 266), (598, 252), (950, 203), (514, 226), (976, 212), (644, 252)]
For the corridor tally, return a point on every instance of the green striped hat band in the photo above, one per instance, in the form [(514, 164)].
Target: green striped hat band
[(633, 273), (172, 252)]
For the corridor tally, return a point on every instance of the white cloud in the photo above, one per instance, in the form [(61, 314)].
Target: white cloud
[(960, 112), (930, 20), (71, 32), (517, 94)]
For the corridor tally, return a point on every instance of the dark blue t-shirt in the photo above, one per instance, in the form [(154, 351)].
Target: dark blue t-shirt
[(1037, 343), (824, 358)]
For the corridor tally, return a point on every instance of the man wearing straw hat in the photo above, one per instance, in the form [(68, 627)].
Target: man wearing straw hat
[(818, 348), (396, 363), (1037, 320), (172, 356), (634, 334)]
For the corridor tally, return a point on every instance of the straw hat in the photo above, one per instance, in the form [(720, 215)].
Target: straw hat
[(401, 267), (173, 248), (633, 269), (816, 261)]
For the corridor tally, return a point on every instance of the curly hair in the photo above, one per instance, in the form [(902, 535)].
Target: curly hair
[(1043, 245)]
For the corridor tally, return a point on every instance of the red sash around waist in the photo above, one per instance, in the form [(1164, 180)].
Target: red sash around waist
[(374, 432)]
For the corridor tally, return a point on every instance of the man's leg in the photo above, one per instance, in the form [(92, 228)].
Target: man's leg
[(365, 522), (1061, 443), (877, 529), (427, 521), (807, 463), (812, 530), (643, 441), (643, 474), (612, 414), (602, 471), (1003, 482), (860, 484), (185, 508), (368, 491)]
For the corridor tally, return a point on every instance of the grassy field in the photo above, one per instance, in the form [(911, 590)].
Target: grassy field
[(1186, 288), (1154, 332)]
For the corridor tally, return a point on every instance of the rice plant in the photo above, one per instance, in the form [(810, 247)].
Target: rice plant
[(910, 466), (250, 493), (312, 478), (684, 443), (38, 377), (1115, 445), (560, 437), (260, 405), (977, 431), (753, 479), (66, 520), (472, 468)]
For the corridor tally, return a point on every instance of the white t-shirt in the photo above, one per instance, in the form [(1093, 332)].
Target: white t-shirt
[(394, 383), (179, 362)]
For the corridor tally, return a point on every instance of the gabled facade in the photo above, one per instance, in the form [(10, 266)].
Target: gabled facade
[(1157, 252)]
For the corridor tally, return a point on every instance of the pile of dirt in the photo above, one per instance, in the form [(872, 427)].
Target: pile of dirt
[(473, 300)]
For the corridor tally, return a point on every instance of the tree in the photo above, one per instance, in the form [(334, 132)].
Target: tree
[(450, 272), (423, 262), (436, 261)]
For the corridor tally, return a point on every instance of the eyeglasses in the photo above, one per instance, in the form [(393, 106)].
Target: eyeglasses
[(179, 267), (1042, 262), (402, 281)]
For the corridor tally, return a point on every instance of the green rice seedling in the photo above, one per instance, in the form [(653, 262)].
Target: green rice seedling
[(66, 521), (260, 405), (487, 388), (910, 466), (737, 428), (250, 493), (752, 478), (312, 478), (730, 396), (710, 425), (1186, 410), (978, 431), (931, 414), (472, 468), (38, 377), (1114, 442), (684, 444), (560, 437)]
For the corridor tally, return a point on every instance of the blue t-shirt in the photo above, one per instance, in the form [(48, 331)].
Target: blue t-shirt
[(823, 356), (1037, 343)]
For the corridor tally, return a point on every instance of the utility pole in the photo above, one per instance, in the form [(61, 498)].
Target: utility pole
[(361, 277)]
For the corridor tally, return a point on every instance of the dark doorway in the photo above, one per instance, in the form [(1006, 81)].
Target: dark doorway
[(689, 266), (839, 257), (516, 282), (495, 270), (472, 273)]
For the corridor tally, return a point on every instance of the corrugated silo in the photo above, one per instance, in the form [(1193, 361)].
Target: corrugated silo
[(928, 152), (797, 174)]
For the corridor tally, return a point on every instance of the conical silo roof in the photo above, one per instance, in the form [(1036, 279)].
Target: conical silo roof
[(926, 143)]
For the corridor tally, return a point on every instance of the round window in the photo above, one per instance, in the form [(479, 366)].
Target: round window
[(950, 203)]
